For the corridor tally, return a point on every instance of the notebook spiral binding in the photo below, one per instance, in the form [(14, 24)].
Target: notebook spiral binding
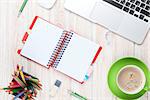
[(60, 49)]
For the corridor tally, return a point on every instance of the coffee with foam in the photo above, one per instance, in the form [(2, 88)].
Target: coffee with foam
[(131, 79)]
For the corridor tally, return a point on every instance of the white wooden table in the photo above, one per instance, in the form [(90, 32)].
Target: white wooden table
[(114, 47)]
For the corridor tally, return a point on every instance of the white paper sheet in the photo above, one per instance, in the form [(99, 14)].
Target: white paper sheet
[(41, 42), (77, 57)]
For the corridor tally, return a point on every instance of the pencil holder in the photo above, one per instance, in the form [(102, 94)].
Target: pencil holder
[(23, 85)]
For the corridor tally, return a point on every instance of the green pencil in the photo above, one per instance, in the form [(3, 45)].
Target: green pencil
[(77, 95), (4, 88), (36, 86), (16, 90), (22, 7), (34, 80)]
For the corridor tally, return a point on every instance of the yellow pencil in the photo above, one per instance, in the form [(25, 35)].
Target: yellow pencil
[(21, 73), (22, 76)]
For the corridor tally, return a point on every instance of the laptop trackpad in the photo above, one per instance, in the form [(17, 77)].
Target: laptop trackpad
[(106, 16)]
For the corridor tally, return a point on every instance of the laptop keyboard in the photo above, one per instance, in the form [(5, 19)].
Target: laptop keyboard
[(137, 8)]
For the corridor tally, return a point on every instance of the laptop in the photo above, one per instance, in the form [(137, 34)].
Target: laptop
[(128, 18)]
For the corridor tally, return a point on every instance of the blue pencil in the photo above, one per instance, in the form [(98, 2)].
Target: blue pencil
[(17, 96)]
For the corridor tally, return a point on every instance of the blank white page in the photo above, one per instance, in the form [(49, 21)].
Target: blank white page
[(77, 57), (41, 42)]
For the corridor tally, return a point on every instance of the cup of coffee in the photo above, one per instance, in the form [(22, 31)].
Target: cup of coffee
[(129, 78)]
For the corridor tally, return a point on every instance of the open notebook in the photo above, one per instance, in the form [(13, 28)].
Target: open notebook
[(65, 51)]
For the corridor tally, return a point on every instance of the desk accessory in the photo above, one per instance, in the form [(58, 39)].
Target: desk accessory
[(22, 7), (55, 88), (117, 67), (65, 51), (46, 3), (77, 95), (23, 85), (89, 72)]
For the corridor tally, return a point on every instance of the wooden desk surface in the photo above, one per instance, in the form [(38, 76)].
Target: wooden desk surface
[(114, 47)]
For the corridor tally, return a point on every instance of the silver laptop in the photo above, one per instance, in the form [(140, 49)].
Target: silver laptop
[(128, 18)]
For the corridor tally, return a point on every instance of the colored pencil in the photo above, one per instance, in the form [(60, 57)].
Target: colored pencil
[(23, 85), (13, 83), (77, 95), (9, 90), (17, 96), (25, 74), (19, 81), (36, 86), (14, 86), (22, 7), (4, 88), (22, 76), (16, 90), (26, 95), (17, 72), (34, 80)]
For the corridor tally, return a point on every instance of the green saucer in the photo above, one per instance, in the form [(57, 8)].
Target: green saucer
[(115, 68)]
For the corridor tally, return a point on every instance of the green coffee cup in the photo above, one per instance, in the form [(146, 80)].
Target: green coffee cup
[(113, 75)]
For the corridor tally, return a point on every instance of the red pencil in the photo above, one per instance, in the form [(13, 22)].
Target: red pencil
[(14, 86), (13, 83)]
